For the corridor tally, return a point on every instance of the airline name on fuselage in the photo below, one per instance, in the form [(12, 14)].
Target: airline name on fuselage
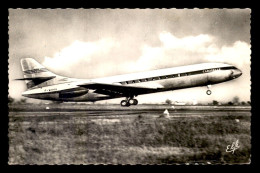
[(210, 70)]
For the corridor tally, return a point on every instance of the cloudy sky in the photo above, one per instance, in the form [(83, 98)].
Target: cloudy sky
[(90, 43)]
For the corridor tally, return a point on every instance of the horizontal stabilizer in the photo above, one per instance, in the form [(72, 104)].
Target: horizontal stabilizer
[(38, 78)]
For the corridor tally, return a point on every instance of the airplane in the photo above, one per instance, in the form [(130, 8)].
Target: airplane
[(43, 84)]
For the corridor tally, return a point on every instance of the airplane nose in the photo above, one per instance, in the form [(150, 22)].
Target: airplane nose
[(236, 73)]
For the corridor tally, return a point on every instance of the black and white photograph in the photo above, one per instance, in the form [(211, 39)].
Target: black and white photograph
[(129, 86)]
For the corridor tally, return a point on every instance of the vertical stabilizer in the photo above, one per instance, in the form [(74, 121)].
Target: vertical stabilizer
[(34, 73)]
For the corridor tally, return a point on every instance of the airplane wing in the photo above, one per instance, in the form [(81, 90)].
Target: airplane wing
[(116, 89)]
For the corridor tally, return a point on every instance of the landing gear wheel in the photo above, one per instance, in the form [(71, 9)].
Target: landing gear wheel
[(135, 102), (125, 103), (208, 92), (131, 101)]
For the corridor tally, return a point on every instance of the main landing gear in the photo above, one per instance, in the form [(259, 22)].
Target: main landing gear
[(129, 102), (208, 91)]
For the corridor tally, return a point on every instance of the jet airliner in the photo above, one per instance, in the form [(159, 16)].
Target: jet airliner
[(43, 84)]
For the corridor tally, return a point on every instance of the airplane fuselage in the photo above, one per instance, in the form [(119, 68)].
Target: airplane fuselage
[(70, 89)]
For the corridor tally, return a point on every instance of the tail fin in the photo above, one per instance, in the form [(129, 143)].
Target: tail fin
[(34, 73)]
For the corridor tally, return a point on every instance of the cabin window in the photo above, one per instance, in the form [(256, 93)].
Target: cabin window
[(162, 77)]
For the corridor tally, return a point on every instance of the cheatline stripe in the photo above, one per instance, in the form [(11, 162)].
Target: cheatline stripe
[(177, 75), (39, 70)]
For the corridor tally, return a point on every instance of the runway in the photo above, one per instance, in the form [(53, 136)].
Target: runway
[(121, 115)]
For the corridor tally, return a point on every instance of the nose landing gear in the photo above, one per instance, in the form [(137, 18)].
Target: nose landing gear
[(129, 101), (208, 91)]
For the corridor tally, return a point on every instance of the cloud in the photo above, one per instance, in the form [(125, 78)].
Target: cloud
[(79, 52), (192, 49), (237, 54), (189, 43), (173, 51)]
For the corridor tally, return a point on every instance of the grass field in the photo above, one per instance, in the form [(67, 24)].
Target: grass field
[(121, 137)]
